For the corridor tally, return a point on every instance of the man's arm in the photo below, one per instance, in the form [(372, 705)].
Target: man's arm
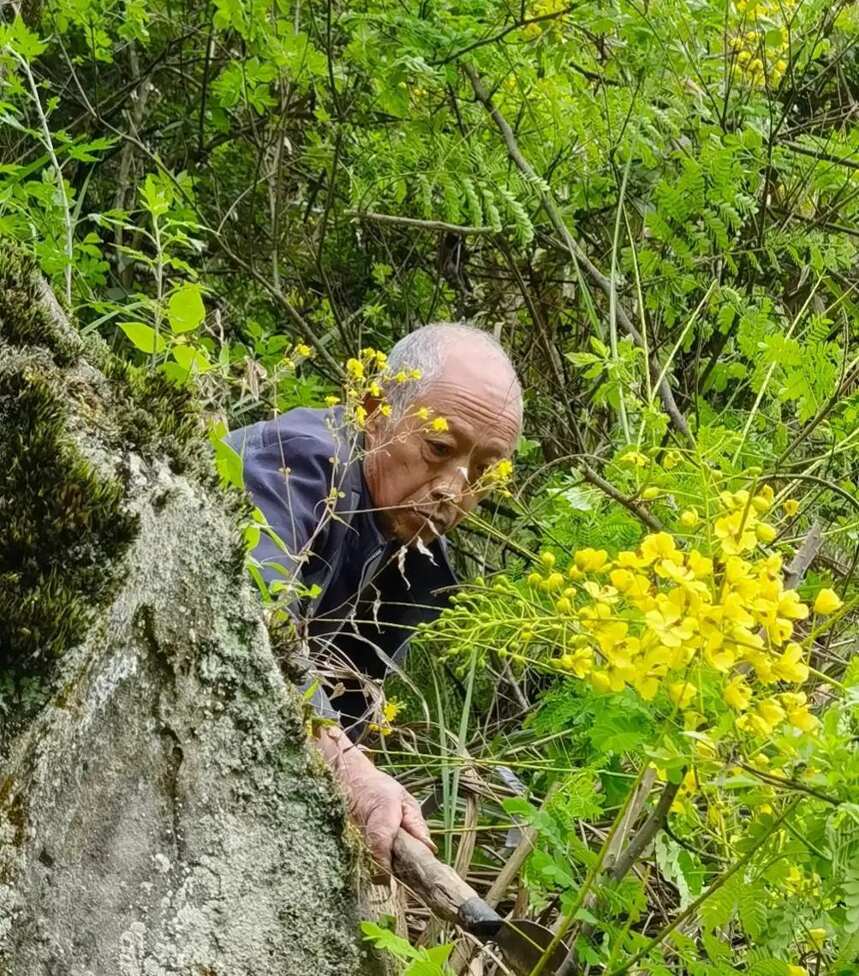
[(377, 802)]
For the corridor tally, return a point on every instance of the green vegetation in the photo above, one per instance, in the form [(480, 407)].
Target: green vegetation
[(654, 205)]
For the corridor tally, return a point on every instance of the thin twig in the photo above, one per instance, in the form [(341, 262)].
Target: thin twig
[(434, 225)]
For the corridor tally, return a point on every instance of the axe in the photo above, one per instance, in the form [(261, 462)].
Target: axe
[(442, 890)]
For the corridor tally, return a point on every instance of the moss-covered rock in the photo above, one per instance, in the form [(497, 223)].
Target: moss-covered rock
[(160, 812)]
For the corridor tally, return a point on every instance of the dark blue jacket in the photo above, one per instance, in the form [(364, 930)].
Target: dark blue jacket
[(293, 466)]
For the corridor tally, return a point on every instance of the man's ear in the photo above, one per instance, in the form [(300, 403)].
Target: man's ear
[(374, 418)]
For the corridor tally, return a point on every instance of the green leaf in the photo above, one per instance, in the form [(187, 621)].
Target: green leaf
[(185, 309), (191, 358), (143, 336), (389, 941)]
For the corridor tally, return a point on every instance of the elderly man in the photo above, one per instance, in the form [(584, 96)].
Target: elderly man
[(360, 518)]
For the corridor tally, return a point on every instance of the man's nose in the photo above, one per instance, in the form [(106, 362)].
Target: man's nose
[(452, 486)]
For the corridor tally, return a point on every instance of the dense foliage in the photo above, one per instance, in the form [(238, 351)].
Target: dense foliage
[(654, 206)]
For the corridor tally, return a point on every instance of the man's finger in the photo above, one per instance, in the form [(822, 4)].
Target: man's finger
[(379, 834), (414, 823)]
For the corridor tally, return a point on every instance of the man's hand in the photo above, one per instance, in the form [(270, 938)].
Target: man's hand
[(377, 802)]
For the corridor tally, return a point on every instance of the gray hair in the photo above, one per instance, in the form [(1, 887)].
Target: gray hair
[(424, 349)]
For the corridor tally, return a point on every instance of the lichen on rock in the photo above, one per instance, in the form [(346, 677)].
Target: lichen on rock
[(160, 812)]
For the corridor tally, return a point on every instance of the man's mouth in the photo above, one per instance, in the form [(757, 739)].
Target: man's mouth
[(438, 523)]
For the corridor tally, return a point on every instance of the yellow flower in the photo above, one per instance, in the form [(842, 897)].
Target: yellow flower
[(797, 971), (303, 350), (699, 565), (659, 545), (332, 401), (422, 413), (682, 693), (415, 374), (671, 460), (355, 368), (374, 389), (791, 507), (762, 502), (651, 492), (385, 410), (500, 472), (668, 622), (763, 718), (690, 518), (548, 559), (401, 377), (797, 711), (737, 694), (392, 709), (591, 560), (736, 532), (791, 607), (764, 532), (816, 938), (634, 457), (827, 601), (791, 666), (381, 359), (439, 424), (360, 416), (580, 662), (563, 605)]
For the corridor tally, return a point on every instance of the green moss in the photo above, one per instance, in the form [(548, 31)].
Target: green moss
[(156, 417), (64, 524), (23, 320)]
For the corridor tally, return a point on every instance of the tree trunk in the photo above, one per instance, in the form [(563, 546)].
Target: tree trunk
[(160, 812)]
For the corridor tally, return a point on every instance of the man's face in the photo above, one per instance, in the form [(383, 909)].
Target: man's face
[(422, 481)]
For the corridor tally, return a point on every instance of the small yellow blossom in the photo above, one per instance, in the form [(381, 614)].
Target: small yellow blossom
[(422, 413), (689, 518), (827, 601), (791, 507), (791, 666), (332, 401), (764, 532), (651, 492), (360, 416), (439, 424), (671, 460), (579, 662), (797, 971), (591, 560), (415, 374), (303, 350), (355, 368), (385, 410), (795, 705), (816, 938), (635, 458), (548, 559), (401, 377), (374, 389), (737, 694)]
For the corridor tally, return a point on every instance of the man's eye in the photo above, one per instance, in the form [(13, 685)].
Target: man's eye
[(439, 448)]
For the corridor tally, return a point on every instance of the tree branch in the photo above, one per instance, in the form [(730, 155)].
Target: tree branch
[(575, 250)]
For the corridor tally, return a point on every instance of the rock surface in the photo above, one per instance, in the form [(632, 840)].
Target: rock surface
[(159, 810)]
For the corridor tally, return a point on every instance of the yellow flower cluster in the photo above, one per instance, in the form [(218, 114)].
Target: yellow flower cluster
[(299, 352), (365, 377), (390, 710), (702, 629), (761, 44)]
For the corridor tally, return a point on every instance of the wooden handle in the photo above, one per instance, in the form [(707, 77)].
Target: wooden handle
[(441, 888)]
